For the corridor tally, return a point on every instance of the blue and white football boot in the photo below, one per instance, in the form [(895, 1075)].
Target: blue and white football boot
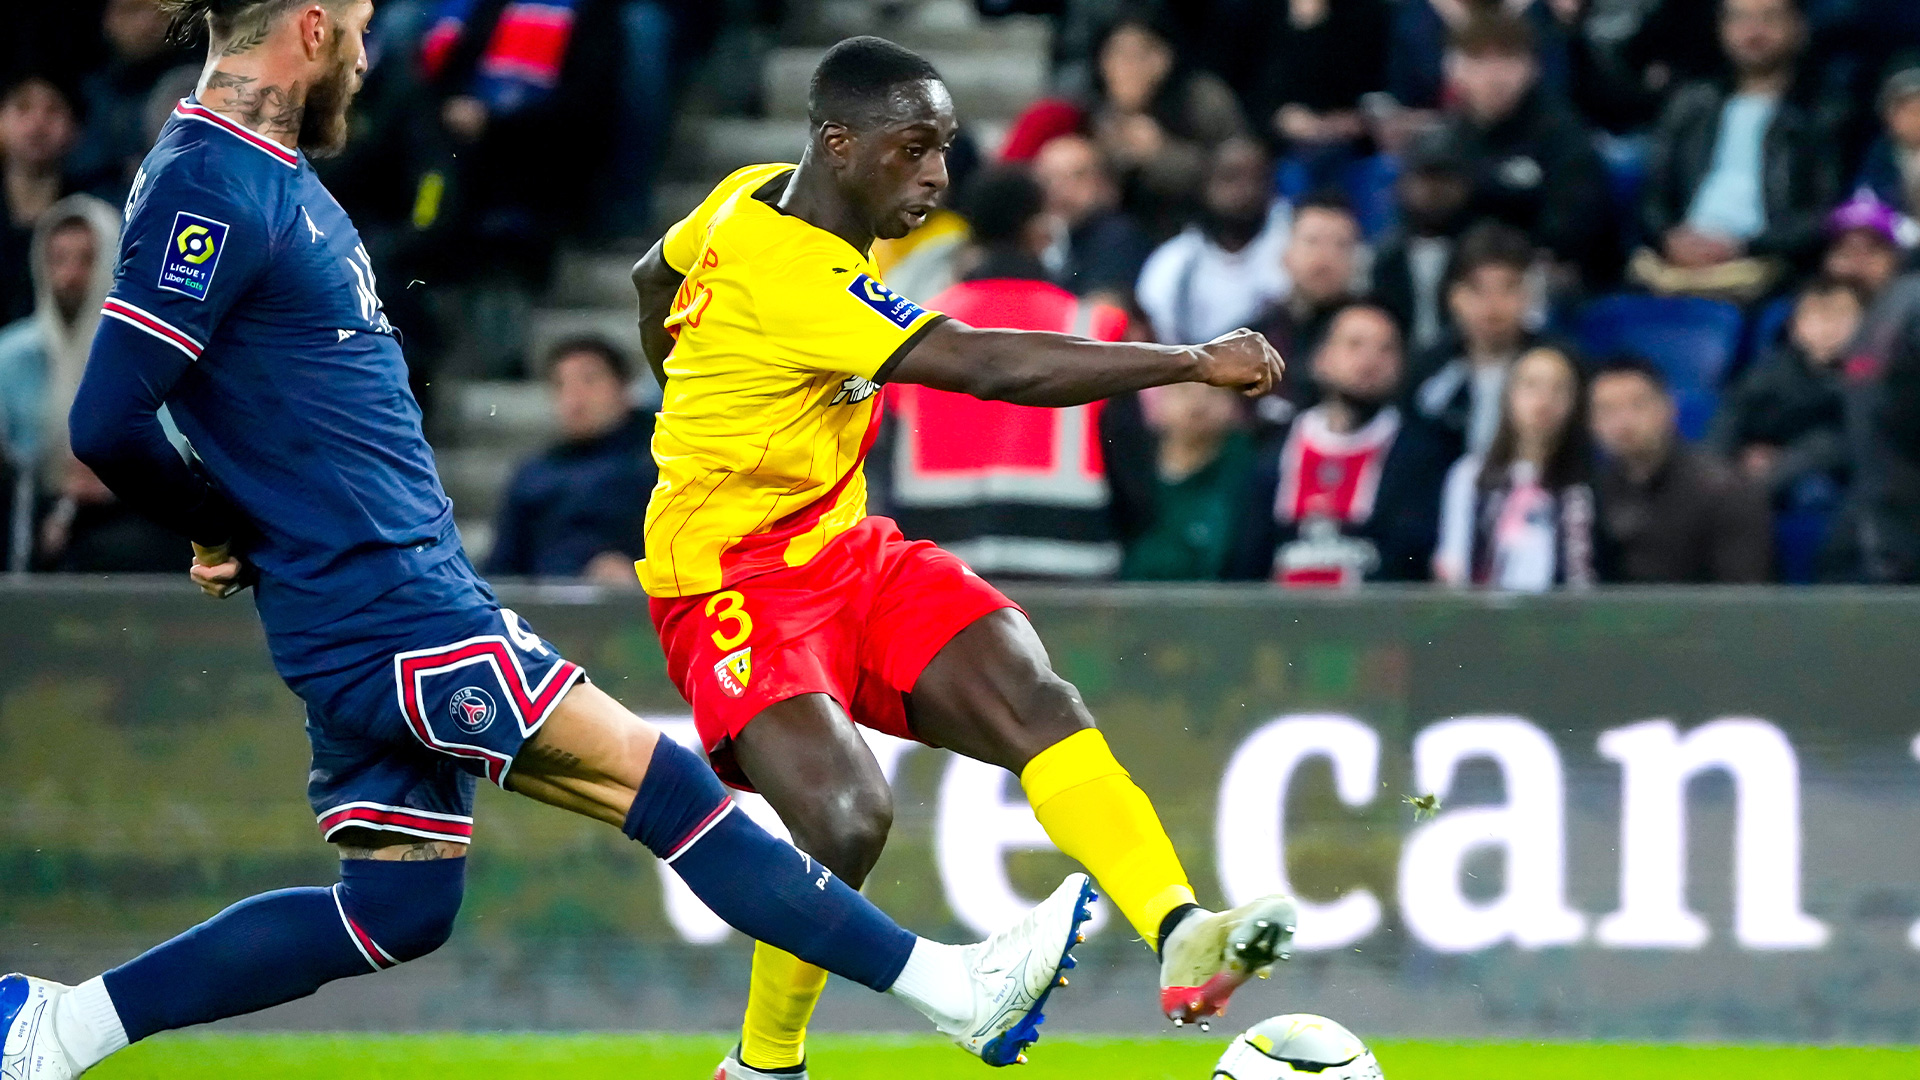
[(1015, 970), (31, 1051)]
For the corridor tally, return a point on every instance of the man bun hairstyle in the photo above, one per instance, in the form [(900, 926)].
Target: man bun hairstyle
[(221, 19), (854, 79)]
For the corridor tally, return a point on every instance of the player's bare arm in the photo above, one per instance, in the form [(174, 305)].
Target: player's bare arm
[(1029, 367), (656, 282)]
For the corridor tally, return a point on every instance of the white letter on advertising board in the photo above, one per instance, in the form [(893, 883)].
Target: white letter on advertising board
[(977, 826), (1532, 909), (1250, 834), (1913, 934), (1656, 762)]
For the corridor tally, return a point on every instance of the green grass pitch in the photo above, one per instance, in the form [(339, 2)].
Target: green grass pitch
[(692, 1057)]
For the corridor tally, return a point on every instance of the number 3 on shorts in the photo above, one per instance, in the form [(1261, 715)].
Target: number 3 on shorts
[(730, 607)]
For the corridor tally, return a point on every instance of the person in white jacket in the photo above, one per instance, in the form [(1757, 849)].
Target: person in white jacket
[(1521, 515)]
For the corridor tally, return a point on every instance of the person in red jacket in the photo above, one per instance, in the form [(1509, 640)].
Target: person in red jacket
[(1012, 489)]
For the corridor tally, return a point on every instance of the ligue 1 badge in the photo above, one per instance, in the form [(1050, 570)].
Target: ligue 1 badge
[(192, 255)]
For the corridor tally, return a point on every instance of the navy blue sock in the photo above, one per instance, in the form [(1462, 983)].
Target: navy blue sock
[(281, 946), (763, 887)]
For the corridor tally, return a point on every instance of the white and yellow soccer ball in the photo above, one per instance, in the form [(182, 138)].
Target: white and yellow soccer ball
[(1298, 1044)]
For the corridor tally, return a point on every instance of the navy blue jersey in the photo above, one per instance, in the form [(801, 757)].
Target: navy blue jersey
[(245, 301)]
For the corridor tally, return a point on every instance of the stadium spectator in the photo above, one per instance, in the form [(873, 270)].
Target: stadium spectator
[(1880, 541), (1669, 512), (1521, 516), (577, 510), (1410, 267), (1222, 270), (1417, 43), (1322, 261), (1203, 455), (1321, 58), (1531, 158), (1893, 164), (515, 95), (1097, 248), (38, 129), (1784, 423), (117, 96), (1037, 125), (43, 356), (1869, 243), (1627, 58), (1742, 171), (1459, 383), (1350, 489), (1157, 118), (1676, 42), (1015, 490)]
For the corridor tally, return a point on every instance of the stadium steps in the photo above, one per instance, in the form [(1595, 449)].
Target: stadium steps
[(988, 84), (708, 148), (596, 279), (498, 423), (552, 325), (944, 25)]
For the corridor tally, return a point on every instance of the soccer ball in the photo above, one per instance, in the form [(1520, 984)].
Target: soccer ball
[(1298, 1044)]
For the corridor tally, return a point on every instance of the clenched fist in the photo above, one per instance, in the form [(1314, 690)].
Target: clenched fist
[(219, 573), (1243, 361)]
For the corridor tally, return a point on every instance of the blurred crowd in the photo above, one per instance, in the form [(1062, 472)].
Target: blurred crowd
[(488, 134), (1570, 291)]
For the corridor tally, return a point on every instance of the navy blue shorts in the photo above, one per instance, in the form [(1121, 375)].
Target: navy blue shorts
[(412, 699)]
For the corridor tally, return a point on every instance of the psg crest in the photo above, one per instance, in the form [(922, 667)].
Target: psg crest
[(472, 709)]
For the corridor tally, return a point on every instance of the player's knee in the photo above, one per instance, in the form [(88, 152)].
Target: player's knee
[(849, 832), (406, 909), (1053, 710)]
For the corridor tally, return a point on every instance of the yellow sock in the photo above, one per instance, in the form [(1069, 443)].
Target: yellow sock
[(1096, 813), (779, 1004)]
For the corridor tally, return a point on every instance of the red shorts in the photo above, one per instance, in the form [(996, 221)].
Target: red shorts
[(859, 623)]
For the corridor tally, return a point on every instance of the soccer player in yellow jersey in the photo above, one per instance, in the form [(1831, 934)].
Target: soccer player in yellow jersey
[(788, 615)]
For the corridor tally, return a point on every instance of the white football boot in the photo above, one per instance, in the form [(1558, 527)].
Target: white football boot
[(30, 1050), (1015, 970), (733, 1069), (1211, 954)]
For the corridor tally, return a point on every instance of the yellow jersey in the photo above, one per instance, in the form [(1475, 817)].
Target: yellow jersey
[(782, 334)]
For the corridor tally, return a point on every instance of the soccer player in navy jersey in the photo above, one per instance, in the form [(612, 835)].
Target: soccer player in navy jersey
[(244, 301)]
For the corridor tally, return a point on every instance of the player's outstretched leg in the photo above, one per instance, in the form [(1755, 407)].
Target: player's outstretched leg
[(992, 694), (261, 952), (597, 759), (806, 757)]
